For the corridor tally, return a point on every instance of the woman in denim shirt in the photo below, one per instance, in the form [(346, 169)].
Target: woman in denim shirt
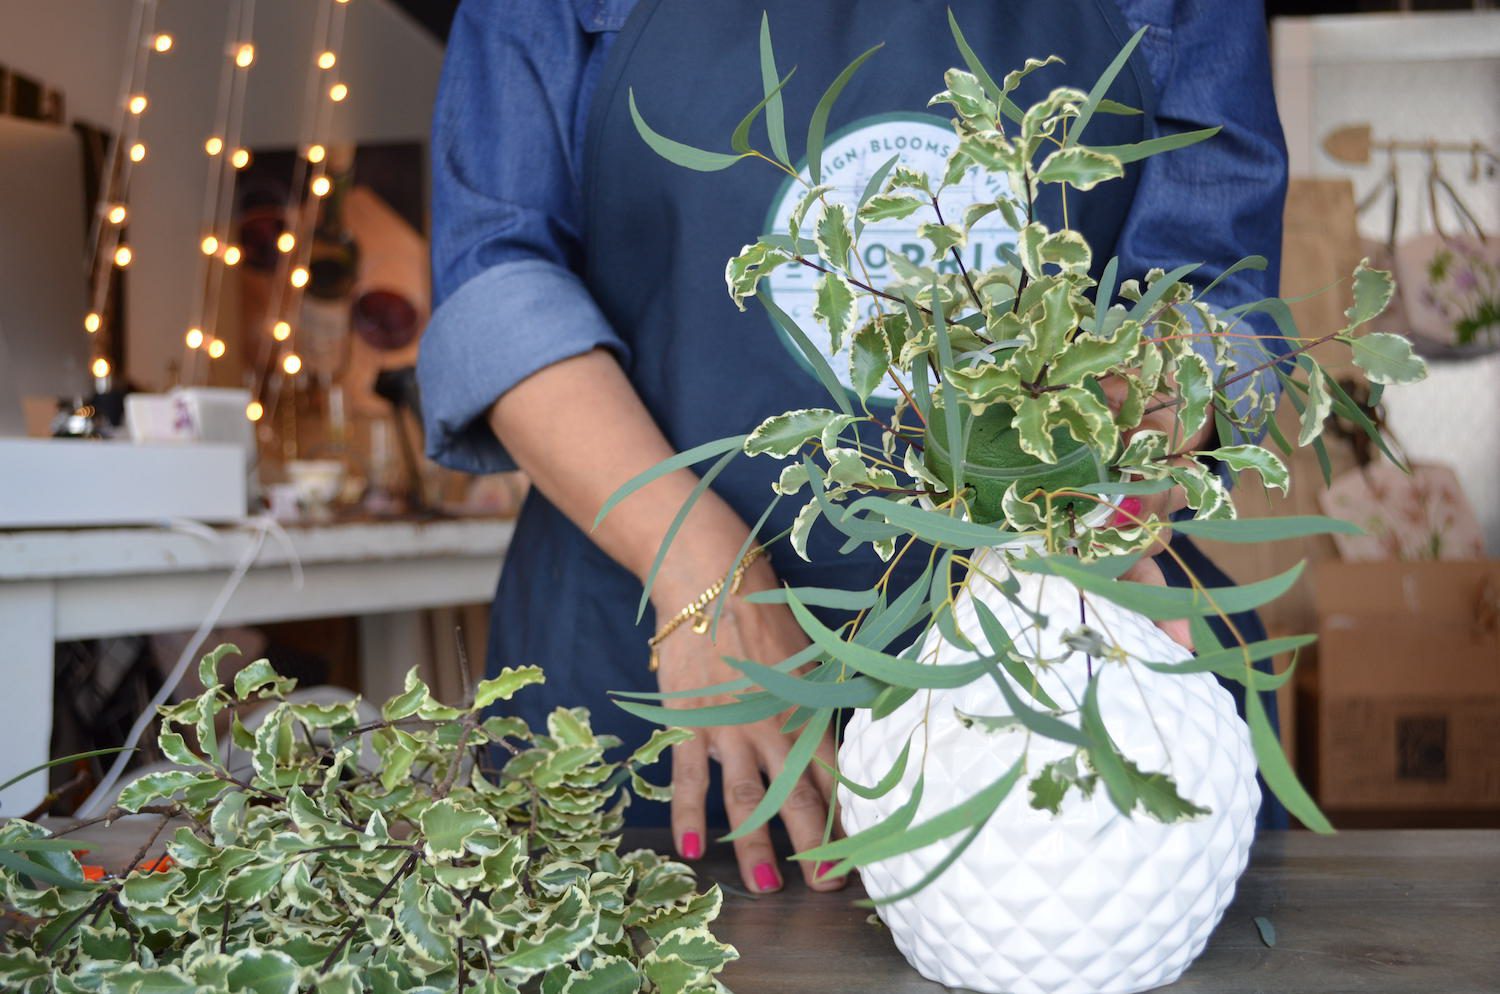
[(582, 332)]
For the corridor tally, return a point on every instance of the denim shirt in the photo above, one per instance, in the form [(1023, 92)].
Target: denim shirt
[(507, 151)]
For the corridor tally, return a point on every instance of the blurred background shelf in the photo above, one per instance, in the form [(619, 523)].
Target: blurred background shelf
[(92, 583)]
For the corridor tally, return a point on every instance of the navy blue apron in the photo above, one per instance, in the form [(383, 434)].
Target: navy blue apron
[(657, 237)]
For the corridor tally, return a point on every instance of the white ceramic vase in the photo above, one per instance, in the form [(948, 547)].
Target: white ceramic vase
[(1088, 900)]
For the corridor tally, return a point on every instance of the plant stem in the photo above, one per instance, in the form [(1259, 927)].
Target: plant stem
[(1030, 210), (1236, 378), (863, 286), (958, 258), (411, 861)]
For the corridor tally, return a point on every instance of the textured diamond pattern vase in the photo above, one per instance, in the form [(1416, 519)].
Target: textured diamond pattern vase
[(1088, 900)]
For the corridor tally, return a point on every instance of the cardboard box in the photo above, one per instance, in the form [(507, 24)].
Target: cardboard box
[(1409, 685)]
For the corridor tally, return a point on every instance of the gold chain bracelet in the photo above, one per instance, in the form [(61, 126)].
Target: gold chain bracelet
[(696, 612)]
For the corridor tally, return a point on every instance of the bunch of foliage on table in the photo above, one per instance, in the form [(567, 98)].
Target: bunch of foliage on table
[(1006, 366), (383, 858)]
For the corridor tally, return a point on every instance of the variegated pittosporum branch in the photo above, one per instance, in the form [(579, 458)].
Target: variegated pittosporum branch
[(348, 858)]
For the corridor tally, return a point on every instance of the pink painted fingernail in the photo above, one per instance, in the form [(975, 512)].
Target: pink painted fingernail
[(766, 878), (692, 845), (823, 869), (1130, 509)]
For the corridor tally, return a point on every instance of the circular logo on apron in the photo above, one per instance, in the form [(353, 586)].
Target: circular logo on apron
[(850, 159)]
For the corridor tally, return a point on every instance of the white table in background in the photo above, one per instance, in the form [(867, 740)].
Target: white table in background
[(98, 582)]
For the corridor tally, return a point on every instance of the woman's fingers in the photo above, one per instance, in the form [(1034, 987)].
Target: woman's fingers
[(804, 813), (1146, 571), (743, 790), (689, 795), (822, 774)]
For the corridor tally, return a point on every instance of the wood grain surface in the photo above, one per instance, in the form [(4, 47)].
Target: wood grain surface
[(1362, 912)]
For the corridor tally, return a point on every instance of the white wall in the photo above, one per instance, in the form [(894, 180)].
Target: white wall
[(1410, 76), (389, 63)]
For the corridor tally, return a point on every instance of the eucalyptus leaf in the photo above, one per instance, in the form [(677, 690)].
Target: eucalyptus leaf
[(740, 139), (676, 152), (817, 128), (682, 460), (775, 110), (1136, 151), (1102, 84), (797, 759)]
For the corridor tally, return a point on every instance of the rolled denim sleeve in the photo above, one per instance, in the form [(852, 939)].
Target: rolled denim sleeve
[(507, 219), (1219, 200)]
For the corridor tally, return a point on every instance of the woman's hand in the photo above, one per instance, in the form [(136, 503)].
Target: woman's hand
[(578, 455), (1136, 510), (751, 755)]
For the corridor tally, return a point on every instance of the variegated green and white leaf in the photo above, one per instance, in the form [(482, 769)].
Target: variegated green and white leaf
[(834, 236), (1034, 426), (1080, 167), (798, 218), (1388, 359), (793, 478), (943, 237), (1373, 289), (802, 527), (836, 307), (1195, 385), (870, 357), (783, 434), (1319, 405), (744, 272), (891, 206), (1273, 472), (966, 96)]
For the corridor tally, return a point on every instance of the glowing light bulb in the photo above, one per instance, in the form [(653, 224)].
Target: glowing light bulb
[(299, 277), (100, 368), (232, 256), (321, 186), (162, 43), (316, 153), (209, 245), (137, 152), (91, 323), (292, 364), (214, 146), (194, 338), (123, 255), (327, 60), (254, 411), (137, 104), (286, 241), (117, 214), (240, 159), (216, 349), (337, 92), (244, 55), (281, 331)]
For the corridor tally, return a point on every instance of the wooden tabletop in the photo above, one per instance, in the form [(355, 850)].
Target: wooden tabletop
[(1362, 912), (1377, 911)]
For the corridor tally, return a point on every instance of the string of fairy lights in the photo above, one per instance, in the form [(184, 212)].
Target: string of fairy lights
[(324, 92), (276, 358), (109, 249), (226, 157)]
